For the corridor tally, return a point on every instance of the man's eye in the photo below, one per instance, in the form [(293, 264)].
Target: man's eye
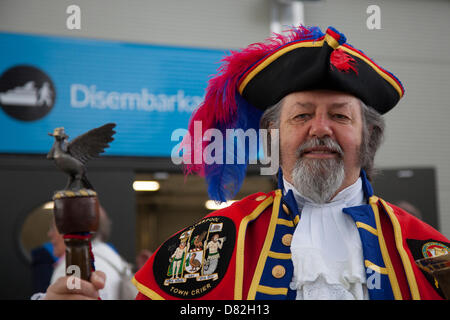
[(302, 116), (340, 116)]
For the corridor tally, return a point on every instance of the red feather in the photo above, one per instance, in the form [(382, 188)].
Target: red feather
[(342, 61)]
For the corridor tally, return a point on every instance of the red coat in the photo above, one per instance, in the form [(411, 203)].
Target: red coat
[(253, 259)]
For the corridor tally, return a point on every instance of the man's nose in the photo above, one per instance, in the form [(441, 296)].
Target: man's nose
[(320, 127)]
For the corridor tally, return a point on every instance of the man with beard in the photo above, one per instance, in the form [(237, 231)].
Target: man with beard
[(323, 146), (322, 234)]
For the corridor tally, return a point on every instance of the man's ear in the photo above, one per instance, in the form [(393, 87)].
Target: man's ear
[(370, 130), (374, 131)]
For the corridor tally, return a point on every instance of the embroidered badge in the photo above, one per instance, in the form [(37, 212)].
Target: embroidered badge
[(434, 249), (193, 262), (421, 249)]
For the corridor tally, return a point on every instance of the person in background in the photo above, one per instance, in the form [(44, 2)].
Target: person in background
[(409, 207), (142, 258), (42, 261), (106, 259)]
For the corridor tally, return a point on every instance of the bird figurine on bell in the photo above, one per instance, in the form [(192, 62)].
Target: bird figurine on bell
[(71, 157)]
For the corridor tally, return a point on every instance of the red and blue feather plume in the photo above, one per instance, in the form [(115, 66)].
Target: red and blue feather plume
[(224, 108)]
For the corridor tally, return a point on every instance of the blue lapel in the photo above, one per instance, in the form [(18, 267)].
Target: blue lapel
[(378, 283)]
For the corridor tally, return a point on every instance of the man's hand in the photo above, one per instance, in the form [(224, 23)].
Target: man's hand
[(87, 290)]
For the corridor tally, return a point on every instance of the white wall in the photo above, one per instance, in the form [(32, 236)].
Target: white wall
[(203, 23), (414, 44)]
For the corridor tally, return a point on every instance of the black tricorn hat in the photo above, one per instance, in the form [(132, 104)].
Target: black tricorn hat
[(324, 62)]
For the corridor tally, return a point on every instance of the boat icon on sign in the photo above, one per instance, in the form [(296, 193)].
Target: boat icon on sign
[(28, 95)]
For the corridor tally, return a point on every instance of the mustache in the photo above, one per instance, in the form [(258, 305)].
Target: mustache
[(325, 144)]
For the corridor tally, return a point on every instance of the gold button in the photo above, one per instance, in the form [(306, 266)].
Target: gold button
[(260, 198), (278, 271), (285, 208), (287, 239)]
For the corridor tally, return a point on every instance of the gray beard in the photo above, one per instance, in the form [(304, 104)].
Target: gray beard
[(319, 179)]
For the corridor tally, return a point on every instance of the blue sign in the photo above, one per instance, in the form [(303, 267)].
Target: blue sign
[(79, 84)]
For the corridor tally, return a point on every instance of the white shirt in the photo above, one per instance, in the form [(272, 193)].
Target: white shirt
[(326, 248)]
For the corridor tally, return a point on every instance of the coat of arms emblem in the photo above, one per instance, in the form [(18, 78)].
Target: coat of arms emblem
[(197, 255), (195, 260)]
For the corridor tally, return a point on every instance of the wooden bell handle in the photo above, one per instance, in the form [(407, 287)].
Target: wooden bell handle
[(78, 254), (76, 217)]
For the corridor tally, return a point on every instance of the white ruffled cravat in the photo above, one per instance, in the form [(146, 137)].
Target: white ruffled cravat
[(326, 248)]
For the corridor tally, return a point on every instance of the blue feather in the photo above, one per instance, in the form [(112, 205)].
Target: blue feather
[(225, 180)]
